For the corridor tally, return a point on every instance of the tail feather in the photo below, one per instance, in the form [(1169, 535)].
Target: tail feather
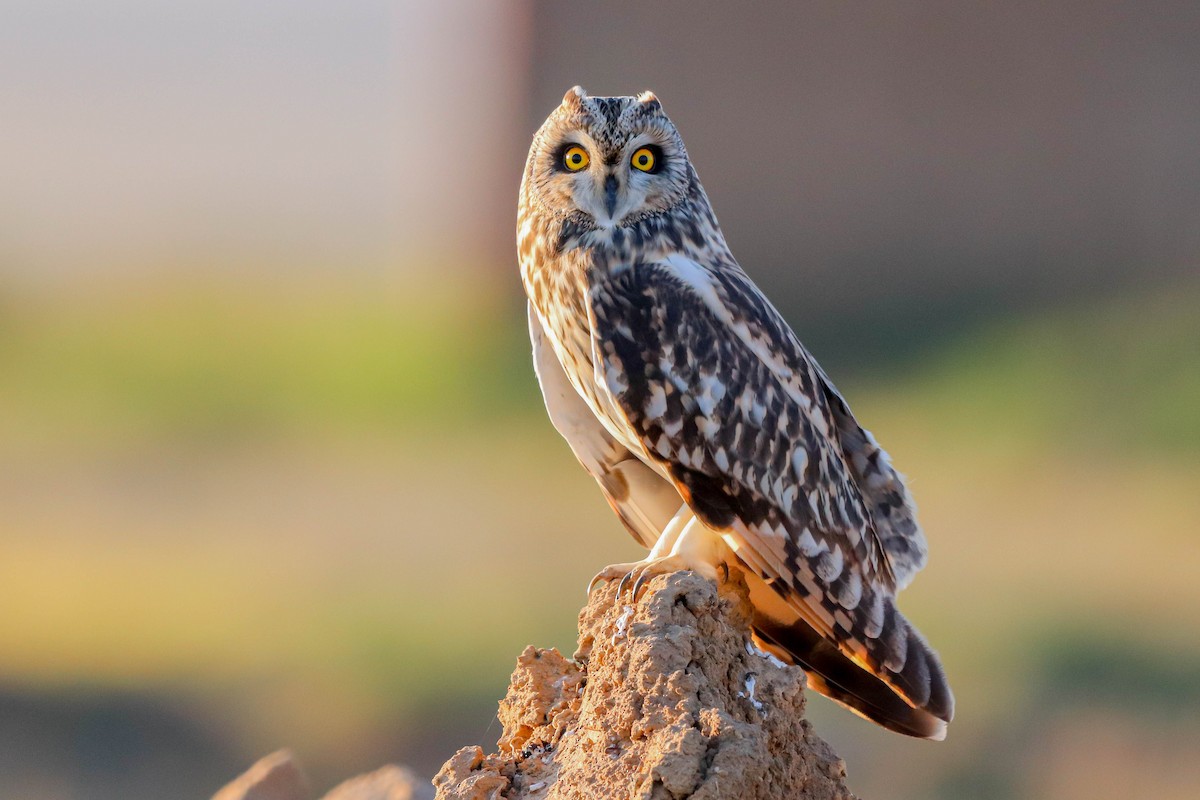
[(900, 685), (837, 677)]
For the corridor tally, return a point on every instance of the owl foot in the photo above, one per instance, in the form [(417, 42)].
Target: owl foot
[(639, 572), (611, 573), (664, 547), (648, 570), (696, 548)]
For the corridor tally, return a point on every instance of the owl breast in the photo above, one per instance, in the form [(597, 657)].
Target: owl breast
[(558, 289)]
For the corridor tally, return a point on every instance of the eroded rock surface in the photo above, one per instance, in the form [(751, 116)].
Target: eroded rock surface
[(279, 777), (665, 698), (273, 777)]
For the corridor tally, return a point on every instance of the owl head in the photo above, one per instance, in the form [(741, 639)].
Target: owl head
[(606, 161)]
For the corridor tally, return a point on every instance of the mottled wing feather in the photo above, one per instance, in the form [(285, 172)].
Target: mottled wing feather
[(642, 499), (717, 387), (725, 399), (882, 487)]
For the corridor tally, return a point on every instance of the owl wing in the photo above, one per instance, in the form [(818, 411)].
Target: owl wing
[(642, 500), (882, 488), (721, 395)]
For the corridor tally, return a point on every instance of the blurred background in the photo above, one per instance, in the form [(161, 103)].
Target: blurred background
[(274, 469)]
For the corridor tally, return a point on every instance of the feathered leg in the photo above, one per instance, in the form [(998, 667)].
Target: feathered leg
[(686, 544)]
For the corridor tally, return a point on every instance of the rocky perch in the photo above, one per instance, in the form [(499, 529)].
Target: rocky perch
[(279, 777), (665, 698)]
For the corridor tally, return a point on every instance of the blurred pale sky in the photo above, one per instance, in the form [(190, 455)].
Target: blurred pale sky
[(141, 134), (918, 158)]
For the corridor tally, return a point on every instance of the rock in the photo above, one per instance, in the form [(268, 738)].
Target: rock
[(279, 777), (665, 698), (462, 777), (273, 777), (389, 783)]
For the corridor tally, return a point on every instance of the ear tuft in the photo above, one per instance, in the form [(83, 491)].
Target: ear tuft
[(649, 99), (574, 97)]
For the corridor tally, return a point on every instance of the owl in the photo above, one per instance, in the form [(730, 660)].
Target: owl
[(711, 431)]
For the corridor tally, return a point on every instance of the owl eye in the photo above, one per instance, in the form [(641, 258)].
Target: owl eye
[(646, 159), (575, 158)]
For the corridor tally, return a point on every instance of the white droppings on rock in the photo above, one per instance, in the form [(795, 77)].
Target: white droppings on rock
[(753, 650), (622, 624), (751, 681)]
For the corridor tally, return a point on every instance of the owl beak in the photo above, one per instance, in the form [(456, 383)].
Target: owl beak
[(610, 194)]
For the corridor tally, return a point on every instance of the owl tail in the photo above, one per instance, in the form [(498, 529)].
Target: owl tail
[(914, 699)]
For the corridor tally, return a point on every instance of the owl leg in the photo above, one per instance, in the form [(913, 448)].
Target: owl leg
[(686, 544), (698, 548), (666, 541)]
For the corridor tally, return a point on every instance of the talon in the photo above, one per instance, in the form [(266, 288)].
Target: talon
[(609, 573), (724, 572), (599, 577), (637, 575), (640, 583)]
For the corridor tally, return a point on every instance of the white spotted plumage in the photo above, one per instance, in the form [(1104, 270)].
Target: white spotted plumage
[(687, 396)]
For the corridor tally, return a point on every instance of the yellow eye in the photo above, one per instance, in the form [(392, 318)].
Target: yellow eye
[(576, 158), (644, 159)]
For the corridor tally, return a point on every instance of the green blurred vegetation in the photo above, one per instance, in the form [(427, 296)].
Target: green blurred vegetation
[(210, 361), (1121, 375), (323, 517)]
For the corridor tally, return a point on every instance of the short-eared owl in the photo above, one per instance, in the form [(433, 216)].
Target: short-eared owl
[(712, 432)]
